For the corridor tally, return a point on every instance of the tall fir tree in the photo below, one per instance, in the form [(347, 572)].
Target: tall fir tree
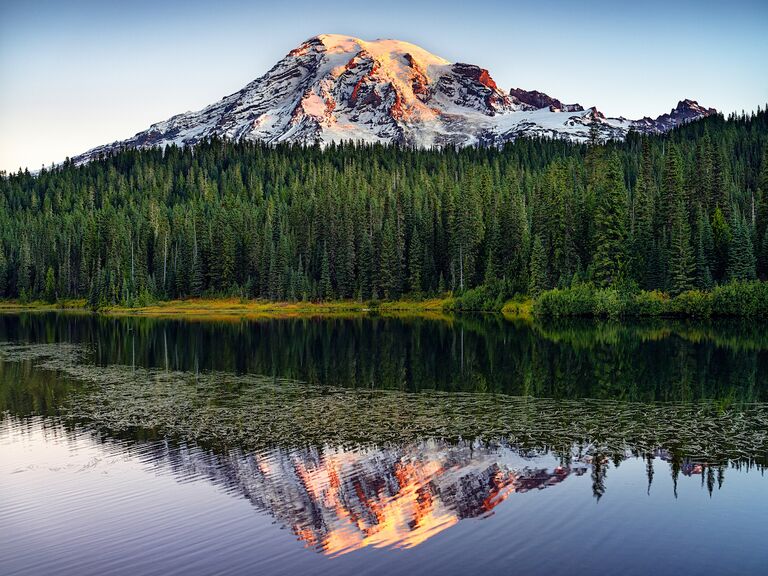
[(761, 219), (3, 274), (741, 258), (610, 259), (681, 262), (537, 276), (703, 256), (721, 241)]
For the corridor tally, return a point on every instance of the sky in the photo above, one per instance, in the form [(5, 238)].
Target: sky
[(79, 73)]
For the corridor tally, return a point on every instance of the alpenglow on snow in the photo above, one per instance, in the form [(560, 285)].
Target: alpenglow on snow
[(336, 88)]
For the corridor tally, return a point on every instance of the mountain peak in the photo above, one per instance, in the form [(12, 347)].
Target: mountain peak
[(335, 87), (379, 48)]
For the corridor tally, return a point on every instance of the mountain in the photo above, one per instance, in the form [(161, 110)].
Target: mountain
[(335, 87)]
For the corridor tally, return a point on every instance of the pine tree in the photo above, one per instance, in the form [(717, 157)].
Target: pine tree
[(415, 262), (761, 219), (741, 258), (721, 240), (720, 191), (326, 289), (467, 230), (681, 263), (673, 187), (704, 244), (643, 246), (763, 254), (255, 220), (24, 273), (366, 267), (704, 159), (3, 274), (537, 277), (611, 227), (50, 286), (196, 281), (390, 274)]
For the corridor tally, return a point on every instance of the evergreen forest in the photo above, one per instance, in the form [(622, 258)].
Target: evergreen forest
[(671, 213)]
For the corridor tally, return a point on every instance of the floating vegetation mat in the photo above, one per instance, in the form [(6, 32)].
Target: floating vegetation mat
[(250, 412)]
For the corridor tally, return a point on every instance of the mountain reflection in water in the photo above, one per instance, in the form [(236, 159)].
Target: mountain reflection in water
[(337, 501), (158, 440)]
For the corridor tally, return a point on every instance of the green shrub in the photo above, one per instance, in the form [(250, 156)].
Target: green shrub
[(693, 303), (486, 298), (653, 303), (741, 299), (610, 303), (576, 301)]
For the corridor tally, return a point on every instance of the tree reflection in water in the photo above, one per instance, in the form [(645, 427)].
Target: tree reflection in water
[(359, 435)]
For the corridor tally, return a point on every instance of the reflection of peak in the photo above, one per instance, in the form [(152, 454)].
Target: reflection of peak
[(337, 500), (395, 497)]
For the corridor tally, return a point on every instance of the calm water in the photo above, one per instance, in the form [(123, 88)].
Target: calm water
[(380, 446)]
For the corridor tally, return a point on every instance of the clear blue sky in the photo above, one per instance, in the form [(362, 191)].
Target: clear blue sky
[(78, 74)]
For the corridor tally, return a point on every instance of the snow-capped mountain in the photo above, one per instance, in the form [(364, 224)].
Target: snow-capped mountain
[(333, 88)]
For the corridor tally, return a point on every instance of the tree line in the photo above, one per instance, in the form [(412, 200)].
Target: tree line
[(672, 212)]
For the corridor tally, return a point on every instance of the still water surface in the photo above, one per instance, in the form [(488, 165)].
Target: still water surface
[(379, 446)]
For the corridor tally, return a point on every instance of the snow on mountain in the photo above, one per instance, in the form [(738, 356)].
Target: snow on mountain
[(333, 88)]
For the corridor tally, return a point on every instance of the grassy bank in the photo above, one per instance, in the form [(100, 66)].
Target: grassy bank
[(42, 306), (227, 308), (234, 307)]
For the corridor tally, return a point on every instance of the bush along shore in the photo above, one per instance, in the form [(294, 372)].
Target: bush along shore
[(735, 299)]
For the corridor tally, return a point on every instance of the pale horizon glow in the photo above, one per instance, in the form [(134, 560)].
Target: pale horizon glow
[(80, 74)]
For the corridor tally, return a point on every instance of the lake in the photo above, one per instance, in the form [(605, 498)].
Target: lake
[(372, 445)]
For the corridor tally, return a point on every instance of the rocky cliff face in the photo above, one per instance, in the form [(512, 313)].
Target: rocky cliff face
[(337, 88)]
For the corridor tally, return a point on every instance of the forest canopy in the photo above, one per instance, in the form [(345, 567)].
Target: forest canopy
[(672, 212)]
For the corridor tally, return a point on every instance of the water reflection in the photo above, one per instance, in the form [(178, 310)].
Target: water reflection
[(221, 410), (646, 361), (357, 435), (336, 500)]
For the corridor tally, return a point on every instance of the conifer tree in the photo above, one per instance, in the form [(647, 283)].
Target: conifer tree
[(703, 256), (390, 273), (720, 189), (703, 173), (673, 187), (415, 261), (326, 289), (467, 230), (366, 267), (761, 219), (3, 274), (681, 263), (50, 286), (537, 277), (643, 245), (741, 258), (721, 240), (611, 227)]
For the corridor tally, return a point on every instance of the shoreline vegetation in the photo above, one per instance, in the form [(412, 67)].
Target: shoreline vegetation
[(735, 299)]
